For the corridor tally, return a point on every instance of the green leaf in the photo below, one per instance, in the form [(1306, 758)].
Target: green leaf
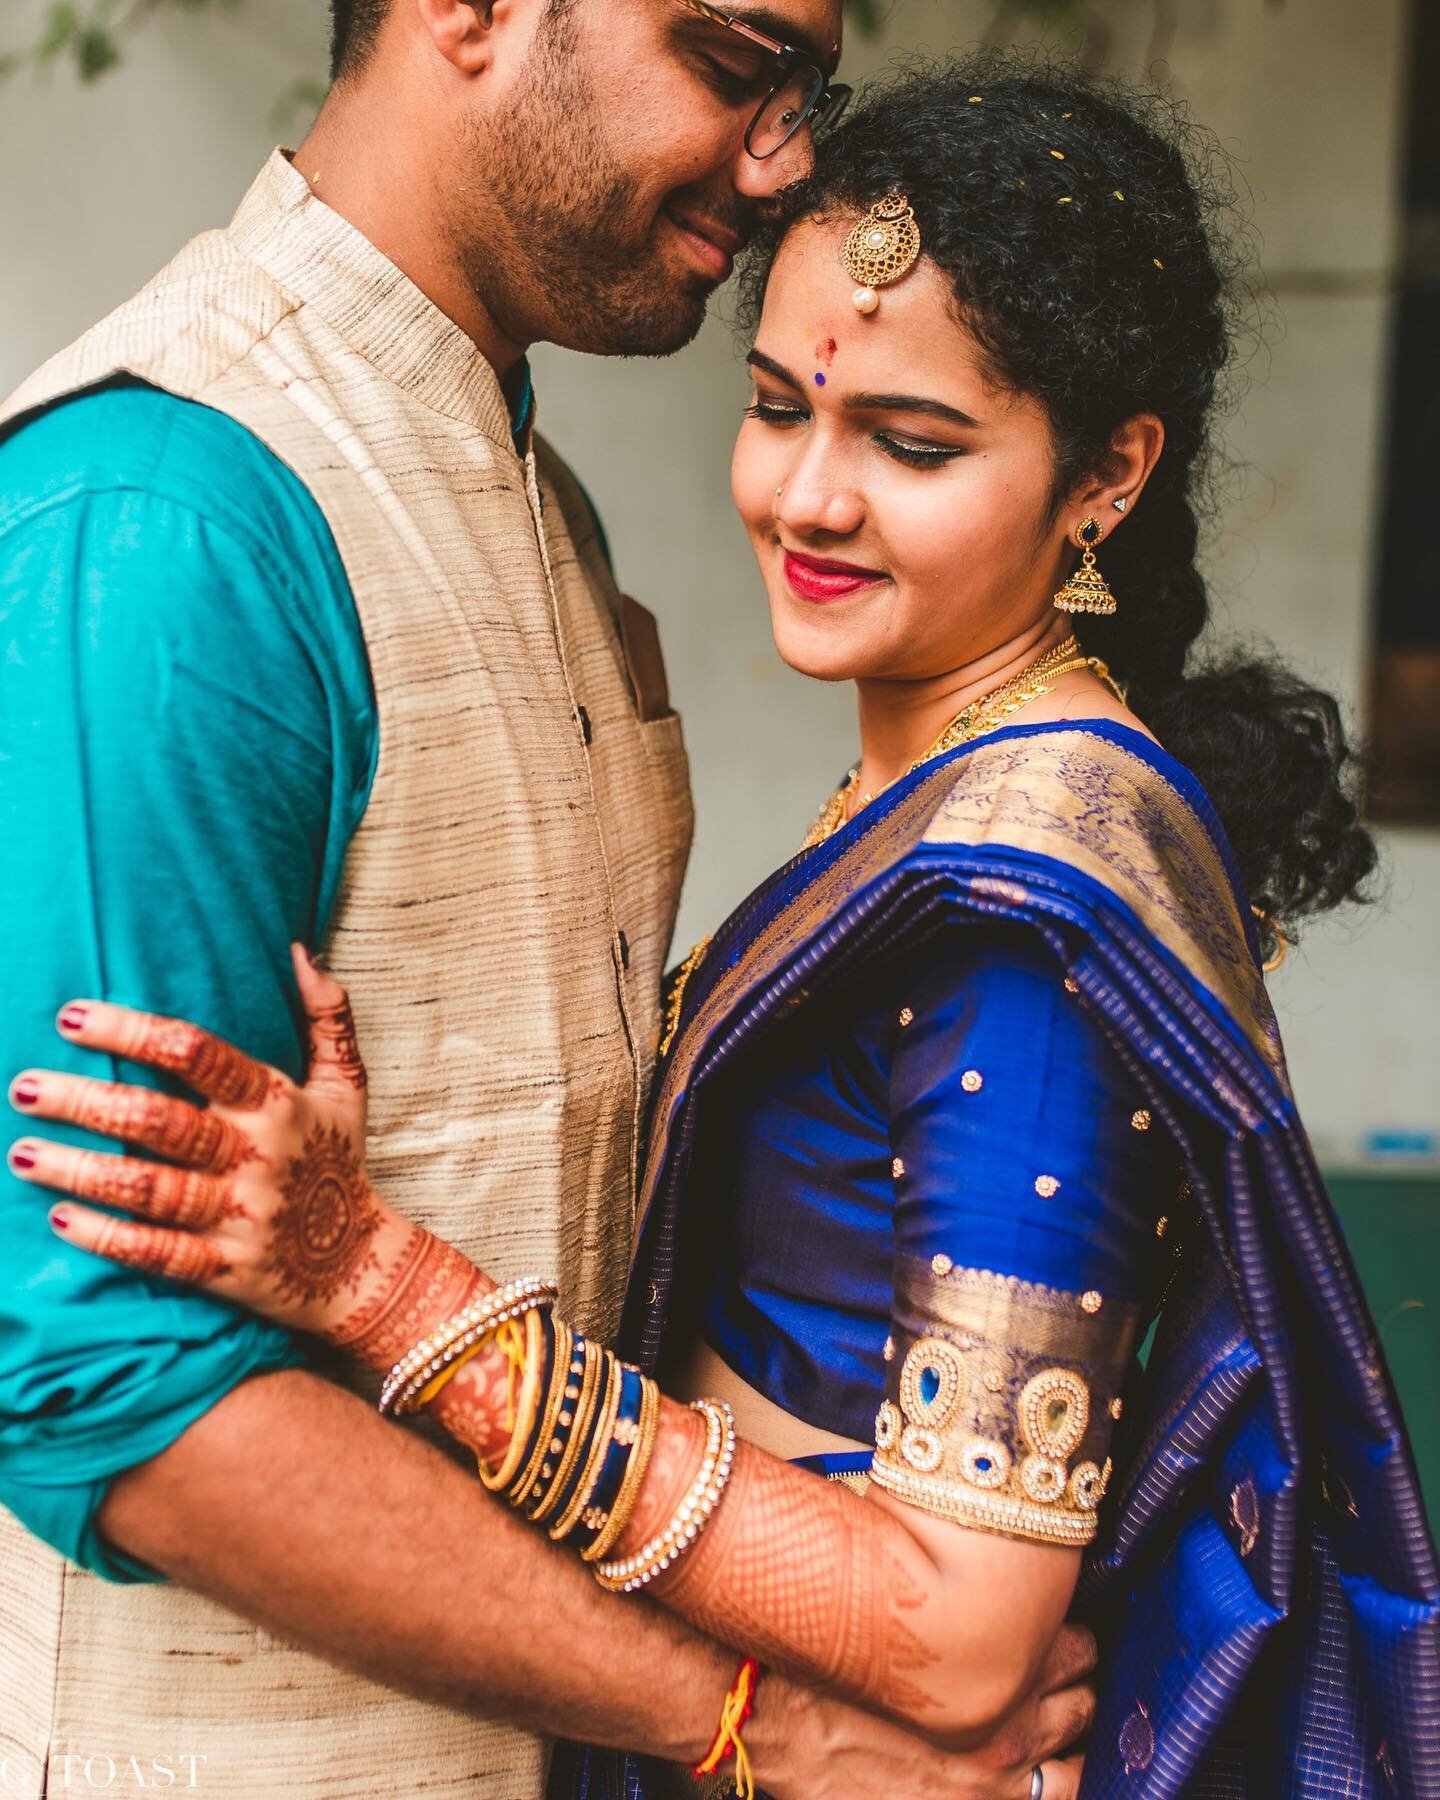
[(94, 51), (61, 24)]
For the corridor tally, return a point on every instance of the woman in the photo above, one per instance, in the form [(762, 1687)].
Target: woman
[(968, 1092)]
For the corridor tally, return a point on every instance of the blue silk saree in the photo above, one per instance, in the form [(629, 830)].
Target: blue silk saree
[(1260, 1573)]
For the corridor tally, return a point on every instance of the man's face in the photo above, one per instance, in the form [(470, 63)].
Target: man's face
[(616, 185)]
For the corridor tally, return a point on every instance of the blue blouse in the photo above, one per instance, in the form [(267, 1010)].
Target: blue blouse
[(958, 1117)]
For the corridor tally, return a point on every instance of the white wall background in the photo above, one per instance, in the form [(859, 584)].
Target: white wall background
[(98, 187)]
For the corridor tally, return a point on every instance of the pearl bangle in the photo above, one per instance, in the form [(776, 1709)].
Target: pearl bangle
[(630, 1573), (481, 1319)]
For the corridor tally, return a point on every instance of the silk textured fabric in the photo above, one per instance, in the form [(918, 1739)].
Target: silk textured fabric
[(958, 1107), (503, 917), (1264, 1582)]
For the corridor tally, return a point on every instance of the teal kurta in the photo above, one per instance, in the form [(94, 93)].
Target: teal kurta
[(187, 740)]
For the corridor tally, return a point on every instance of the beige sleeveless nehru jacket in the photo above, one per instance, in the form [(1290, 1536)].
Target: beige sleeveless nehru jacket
[(506, 908)]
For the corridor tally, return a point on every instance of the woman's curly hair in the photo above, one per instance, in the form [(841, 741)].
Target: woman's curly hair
[(1091, 235)]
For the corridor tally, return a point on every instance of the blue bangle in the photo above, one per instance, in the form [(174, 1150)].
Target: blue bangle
[(530, 1501), (612, 1471), (609, 1374)]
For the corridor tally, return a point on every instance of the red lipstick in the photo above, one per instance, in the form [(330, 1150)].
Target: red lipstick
[(821, 578)]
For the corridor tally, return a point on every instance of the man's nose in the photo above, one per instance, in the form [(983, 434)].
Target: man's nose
[(758, 177)]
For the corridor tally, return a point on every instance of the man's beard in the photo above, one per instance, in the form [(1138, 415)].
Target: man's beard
[(567, 257)]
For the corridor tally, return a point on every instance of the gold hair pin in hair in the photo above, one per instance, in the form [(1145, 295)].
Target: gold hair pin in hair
[(881, 248)]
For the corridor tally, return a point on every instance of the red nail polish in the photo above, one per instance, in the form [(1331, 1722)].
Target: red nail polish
[(60, 1221), (74, 1017), (25, 1093), (21, 1159)]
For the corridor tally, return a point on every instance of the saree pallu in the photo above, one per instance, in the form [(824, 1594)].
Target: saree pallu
[(1263, 1584)]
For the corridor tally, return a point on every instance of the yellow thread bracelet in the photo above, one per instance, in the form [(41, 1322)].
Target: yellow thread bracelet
[(736, 1708)]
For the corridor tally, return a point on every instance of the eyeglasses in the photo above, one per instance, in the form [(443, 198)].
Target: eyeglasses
[(799, 93)]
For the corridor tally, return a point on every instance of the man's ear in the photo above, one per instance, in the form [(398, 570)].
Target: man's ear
[(463, 31)]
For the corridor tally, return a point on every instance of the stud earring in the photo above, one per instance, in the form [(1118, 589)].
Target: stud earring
[(1121, 503), (1087, 590)]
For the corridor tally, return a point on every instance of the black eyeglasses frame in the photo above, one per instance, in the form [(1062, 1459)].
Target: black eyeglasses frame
[(827, 101)]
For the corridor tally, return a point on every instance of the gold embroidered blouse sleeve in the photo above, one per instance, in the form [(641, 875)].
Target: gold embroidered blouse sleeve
[(1001, 1398)]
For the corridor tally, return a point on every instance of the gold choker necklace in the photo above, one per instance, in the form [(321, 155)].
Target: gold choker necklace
[(985, 713)]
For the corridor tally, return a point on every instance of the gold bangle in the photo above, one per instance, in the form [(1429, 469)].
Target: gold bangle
[(636, 1469), (694, 1512), (526, 1485), (613, 1378), (569, 1447), (524, 1411)]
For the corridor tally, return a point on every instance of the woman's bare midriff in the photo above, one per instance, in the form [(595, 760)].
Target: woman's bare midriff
[(697, 1370)]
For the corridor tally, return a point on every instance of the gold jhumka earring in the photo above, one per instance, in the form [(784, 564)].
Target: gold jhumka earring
[(881, 248), (1087, 590)]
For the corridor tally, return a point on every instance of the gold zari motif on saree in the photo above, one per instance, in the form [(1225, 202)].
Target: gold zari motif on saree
[(1001, 1402)]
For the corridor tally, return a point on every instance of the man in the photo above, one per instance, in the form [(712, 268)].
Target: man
[(310, 637)]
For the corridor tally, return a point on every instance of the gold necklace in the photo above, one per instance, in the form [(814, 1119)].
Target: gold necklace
[(985, 713)]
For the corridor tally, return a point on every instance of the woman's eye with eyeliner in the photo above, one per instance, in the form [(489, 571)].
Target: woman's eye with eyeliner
[(770, 412), (934, 456)]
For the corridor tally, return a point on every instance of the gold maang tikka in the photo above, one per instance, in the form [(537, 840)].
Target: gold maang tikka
[(881, 248)]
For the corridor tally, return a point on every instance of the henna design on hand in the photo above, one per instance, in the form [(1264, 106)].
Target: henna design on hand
[(192, 1135), (429, 1281), (322, 1236), (166, 1196), (472, 1406), (205, 1062), (806, 1575), (175, 1255), (335, 1045)]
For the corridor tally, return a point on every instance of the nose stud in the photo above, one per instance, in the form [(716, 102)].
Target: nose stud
[(778, 492)]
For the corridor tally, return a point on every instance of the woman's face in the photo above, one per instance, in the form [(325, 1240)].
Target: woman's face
[(913, 530)]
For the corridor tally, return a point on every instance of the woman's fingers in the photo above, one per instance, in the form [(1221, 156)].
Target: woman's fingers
[(172, 1128), (177, 1255), (158, 1193), (334, 1051), (205, 1062)]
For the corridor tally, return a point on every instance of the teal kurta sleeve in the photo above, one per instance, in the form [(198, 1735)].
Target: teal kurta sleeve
[(187, 740)]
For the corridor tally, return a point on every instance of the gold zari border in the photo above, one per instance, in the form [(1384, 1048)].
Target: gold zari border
[(986, 1512), (1107, 813)]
